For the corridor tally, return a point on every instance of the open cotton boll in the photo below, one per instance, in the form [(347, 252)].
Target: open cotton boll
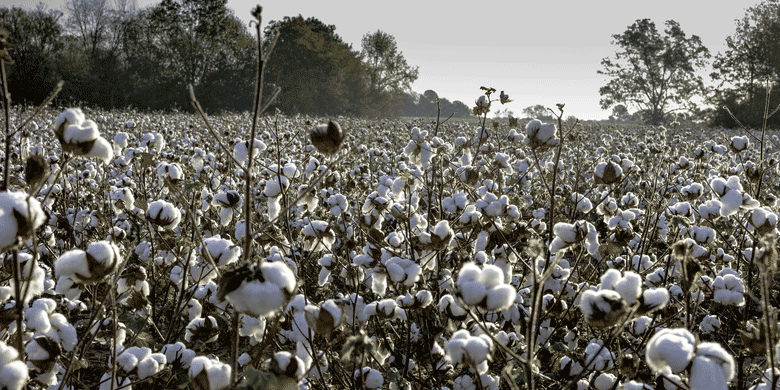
[(105, 382), (178, 354), (602, 308), (101, 149), (629, 287), (258, 290), (130, 357), (71, 116), (163, 214), (19, 217), (209, 374), (604, 381), (80, 133), (151, 365), (670, 349), (739, 143), (723, 361)]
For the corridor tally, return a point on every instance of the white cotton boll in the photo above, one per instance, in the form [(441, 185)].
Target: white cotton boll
[(31, 217), (720, 357), (218, 373), (655, 298), (150, 366), (670, 349), (709, 324), (500, 297), (629, 287), (739, 143), (164, 214), (71, 116), (478, 348), (101, 149), (37, 319), (66, 332), (373, 379), (194, 309), (491, 276), (130, 357), (730, 203), (604, 381), (609, 279), (73, 262), (472, 292), (84, 132), (706, 374)]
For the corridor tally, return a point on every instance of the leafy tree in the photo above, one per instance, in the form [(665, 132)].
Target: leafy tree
[(37, 37), (387, 68), (620, 113), (538, 111), (653, 71), (318, 73), (744, 68)]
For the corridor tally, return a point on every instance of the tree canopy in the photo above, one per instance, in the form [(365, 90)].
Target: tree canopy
[(748, 67), (652, 71)]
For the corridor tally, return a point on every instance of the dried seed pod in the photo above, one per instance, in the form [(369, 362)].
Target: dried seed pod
[(328, 138)]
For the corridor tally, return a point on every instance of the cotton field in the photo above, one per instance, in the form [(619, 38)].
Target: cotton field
[(385, 254)]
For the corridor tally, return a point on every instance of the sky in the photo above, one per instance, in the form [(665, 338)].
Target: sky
[(539, 52)]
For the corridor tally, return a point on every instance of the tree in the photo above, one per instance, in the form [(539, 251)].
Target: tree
[(37, 37), (89, 19), (538, 112), (387, 68), (389, 76), (318, 73), (744, 68), (620, 113), (653, 71)]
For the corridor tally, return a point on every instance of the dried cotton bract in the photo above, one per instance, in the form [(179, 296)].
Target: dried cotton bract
[(328, 138)]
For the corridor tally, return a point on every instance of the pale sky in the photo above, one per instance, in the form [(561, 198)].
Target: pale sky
[(539, 52)]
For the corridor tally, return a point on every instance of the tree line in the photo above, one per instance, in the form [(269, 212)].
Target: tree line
[(112, 55)]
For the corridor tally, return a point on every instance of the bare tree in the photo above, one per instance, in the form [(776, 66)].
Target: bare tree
[(90, 19)]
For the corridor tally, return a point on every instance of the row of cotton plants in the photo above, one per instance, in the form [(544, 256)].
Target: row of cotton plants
[(384, 254)]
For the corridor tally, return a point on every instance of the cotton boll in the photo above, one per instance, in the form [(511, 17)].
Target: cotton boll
[(604, 381), (101, 149), (718, 357), (670, 349), (629, 287), (210, 374), (71, 116), (500, 297), (151, 365)]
